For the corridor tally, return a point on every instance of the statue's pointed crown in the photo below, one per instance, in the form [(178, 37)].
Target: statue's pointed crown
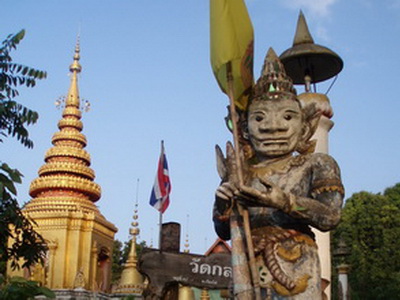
[(273, 83)]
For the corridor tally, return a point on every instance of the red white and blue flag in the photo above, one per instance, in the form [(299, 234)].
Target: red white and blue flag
[(159, 198)]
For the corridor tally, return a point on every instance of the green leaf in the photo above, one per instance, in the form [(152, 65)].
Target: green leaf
[(19, 36), (46, 292), (29, 246), (8, 184)]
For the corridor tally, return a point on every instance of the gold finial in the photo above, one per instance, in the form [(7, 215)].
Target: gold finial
[(186, 244), (72, 99), (134, 230), (75, 66)]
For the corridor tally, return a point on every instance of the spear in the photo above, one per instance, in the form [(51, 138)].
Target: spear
[(243, 211), (232, 63)]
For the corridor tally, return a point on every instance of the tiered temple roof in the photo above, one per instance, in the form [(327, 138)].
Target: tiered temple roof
[(66, 181)]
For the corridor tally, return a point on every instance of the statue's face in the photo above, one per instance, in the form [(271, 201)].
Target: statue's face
[(275, 127)]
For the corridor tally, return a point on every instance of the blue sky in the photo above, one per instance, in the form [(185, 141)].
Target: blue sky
[(147, 74)]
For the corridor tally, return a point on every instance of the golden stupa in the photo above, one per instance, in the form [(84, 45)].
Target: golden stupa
[(131, 282), (79, 238)]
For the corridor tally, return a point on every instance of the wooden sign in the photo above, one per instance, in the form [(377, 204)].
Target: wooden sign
[(163, 268)]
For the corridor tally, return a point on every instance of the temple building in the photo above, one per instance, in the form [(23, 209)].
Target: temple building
[(79, 237)]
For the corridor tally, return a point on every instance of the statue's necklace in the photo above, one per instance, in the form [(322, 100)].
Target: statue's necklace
[(280, 166)]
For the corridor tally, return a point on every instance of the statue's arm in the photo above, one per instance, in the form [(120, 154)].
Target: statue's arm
[(322, 205), (321, 212), (322, 208)]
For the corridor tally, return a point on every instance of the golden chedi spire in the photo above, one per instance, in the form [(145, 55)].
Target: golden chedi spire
[(131, 281), (186, 244), (66, 179), (79, 237)]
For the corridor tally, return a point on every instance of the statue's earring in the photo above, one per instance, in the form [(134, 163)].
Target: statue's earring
[(305, 131), (246, 135), (305, 145), (248, 150), (245, 130)]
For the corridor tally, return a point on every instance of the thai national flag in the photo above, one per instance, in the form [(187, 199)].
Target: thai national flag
[(159, 198)]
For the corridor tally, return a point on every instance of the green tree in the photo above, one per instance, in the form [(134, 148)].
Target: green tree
[(14, 119), (371, 228), (19, 288), (117, 262), (393, 193)]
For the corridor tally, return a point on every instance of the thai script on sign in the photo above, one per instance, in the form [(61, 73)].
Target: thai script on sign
[(207, 269)]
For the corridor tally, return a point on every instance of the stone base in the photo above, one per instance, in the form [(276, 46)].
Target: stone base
[(82, 294), (125, 296)]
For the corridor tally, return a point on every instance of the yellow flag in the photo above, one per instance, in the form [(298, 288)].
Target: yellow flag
[(232, 42)]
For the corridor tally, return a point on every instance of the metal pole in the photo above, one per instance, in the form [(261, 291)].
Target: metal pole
[(160, 215), (160, 231)]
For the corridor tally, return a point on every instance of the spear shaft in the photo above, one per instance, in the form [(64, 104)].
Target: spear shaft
[(243, 211)]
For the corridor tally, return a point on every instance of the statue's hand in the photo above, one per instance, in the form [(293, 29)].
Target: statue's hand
[(224, 201), (268, 194), (226, 191)]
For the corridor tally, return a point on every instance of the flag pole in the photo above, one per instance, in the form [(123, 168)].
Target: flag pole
[(160, 231), (160, 214), (242, 210)]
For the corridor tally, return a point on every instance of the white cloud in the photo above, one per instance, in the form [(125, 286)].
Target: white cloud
[(319, 8)]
